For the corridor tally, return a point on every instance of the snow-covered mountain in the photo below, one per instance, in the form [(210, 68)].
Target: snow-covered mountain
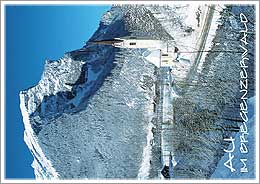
[(92, 113)]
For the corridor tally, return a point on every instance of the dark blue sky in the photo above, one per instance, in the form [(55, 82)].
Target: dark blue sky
[(34, 34)]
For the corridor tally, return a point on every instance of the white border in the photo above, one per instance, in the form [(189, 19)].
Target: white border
[(4, 3), (2, 92), (123, 2)]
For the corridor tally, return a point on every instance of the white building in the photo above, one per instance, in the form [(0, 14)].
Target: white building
[(135, 43), (160, 58), (159, 54)]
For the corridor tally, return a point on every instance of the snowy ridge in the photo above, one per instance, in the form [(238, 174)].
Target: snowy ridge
[(52, 81), (112, 15), (62, 113), (55, 78), (42, 166)]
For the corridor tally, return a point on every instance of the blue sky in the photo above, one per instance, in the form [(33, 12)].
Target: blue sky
[(34, 34)]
